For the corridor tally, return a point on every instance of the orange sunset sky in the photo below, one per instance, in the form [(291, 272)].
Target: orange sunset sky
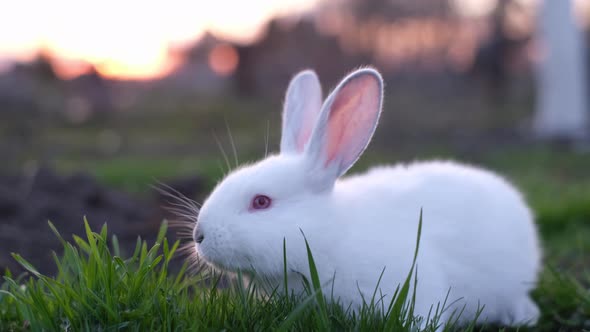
[(131, 39)]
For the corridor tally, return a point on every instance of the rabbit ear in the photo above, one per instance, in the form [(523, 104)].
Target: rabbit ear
[(302, 106), (344, 127)]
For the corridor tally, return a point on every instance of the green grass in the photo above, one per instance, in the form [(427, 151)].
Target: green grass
[(137, 174), (96, 289), (555, 182)]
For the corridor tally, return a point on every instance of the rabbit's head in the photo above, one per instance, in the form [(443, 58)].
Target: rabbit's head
[(244, 221)]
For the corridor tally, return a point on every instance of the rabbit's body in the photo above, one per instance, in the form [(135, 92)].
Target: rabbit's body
[(466, 213), (478, 244)]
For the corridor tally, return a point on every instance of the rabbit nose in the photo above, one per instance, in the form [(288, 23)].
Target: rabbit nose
[(198, 235)]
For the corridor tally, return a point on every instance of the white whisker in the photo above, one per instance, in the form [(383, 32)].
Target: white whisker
[(186, 213), (266, 138), (231, 140), (223, 172), (192, 218), (222, 150), (170, 192)]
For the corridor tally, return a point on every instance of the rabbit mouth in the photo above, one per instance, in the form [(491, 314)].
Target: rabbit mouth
[(215, 258)]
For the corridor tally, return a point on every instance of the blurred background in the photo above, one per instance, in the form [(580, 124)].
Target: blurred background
[(100, 101)]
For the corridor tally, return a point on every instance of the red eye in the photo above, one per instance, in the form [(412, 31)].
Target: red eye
[(260, 202)]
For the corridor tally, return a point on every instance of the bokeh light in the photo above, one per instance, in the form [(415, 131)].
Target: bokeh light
[(223, 59)]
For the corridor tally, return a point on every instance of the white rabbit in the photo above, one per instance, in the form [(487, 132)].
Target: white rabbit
[(479, 244)]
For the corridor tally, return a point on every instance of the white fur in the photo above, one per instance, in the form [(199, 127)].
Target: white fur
[(478, 244)]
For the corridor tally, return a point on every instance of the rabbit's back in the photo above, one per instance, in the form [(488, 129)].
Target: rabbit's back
[(446, 191), (461, 204), (478, 236)]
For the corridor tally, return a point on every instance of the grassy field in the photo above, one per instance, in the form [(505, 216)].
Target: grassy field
[(99, 288)]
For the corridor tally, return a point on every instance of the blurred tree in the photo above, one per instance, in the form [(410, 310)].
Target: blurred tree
[(266, 66), (92, 89), (42, 69), (494, 54)]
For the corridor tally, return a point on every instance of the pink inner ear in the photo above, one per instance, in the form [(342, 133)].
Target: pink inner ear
[(352, 118)]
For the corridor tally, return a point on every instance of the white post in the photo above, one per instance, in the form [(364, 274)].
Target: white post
[(562, 109)]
